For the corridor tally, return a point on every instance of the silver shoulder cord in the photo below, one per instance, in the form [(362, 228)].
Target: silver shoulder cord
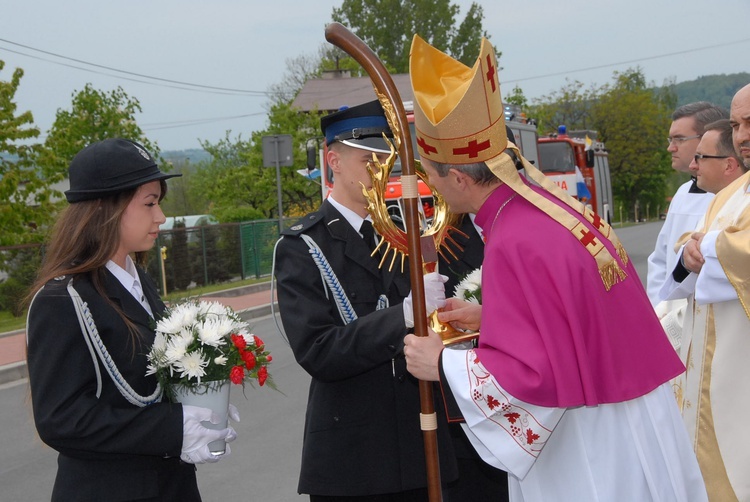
[(328, 277), (97, 349)]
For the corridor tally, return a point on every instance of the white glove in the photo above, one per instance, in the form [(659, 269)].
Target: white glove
[(434, 297), (196, 436), (234, 413)]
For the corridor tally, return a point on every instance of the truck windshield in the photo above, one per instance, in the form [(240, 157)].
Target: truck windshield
[(557, 157)]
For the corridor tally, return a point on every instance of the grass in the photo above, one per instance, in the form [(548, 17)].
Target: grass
[(10, 323)]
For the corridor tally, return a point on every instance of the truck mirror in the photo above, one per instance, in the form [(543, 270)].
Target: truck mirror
[(589, 158), (312, 155)]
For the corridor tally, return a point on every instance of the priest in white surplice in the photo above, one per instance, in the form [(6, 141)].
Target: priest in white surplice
[(568, 389), (714, 275)]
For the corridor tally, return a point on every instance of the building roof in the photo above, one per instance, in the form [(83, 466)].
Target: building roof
[(337, 89)]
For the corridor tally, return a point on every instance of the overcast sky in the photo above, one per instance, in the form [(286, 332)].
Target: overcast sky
[(245, 45)]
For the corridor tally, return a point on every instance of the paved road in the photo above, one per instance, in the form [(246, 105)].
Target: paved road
[(264, 463), (265, 459)]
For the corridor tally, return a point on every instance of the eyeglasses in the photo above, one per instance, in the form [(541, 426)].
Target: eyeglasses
[(699, 156), (678, 140)]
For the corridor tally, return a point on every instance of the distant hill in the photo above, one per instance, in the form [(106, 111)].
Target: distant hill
[(717, 89), (194, 155)]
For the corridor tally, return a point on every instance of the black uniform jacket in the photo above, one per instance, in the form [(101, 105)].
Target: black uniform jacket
[(362, 433), (468, 258), (110, 449)]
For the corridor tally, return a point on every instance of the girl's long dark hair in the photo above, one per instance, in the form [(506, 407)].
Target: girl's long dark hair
[(84, 238)]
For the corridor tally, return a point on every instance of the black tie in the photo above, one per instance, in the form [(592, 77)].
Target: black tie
[(368, 234)]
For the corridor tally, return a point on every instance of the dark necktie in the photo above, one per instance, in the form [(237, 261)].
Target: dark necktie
[(368, 234)]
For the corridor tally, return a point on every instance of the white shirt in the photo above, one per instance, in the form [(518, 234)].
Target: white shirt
[(128, 277), (685, 211), (353, 218)]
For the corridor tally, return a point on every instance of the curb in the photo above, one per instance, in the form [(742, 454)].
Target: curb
[(14, 372)]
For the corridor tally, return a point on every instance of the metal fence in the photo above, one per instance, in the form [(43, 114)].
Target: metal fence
[(195, 256), (186, 257)]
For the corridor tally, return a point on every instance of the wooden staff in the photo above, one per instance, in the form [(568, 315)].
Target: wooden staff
[(341, 37)]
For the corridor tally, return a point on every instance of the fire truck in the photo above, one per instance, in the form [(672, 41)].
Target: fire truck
[(523, 130), (578, 163)]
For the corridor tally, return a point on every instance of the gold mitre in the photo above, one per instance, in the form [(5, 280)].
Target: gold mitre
[(459, 119), (459, 114)]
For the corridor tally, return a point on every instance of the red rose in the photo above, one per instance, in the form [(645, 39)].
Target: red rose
[(239, 341), (269, 358), (237, 375), (249, 359), (262, 375), (258, 341)]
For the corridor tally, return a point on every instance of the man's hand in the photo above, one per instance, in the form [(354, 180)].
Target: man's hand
[(692, 258), (461, 314), (422, 355)]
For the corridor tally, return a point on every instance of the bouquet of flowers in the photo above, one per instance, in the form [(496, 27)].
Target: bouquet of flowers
[(200, 342), (470, 287)]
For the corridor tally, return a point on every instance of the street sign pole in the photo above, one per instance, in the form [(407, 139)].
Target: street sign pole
[(277, 152)]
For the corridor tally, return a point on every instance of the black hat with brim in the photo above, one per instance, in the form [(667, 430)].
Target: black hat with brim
[(108, 167)]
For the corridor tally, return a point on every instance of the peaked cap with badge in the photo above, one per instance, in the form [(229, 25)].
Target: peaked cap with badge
[(363, 126), (108, 167), (458, 115)]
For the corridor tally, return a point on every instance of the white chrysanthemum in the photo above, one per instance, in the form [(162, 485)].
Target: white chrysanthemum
[(181, 316), (160, 343), (151, 370), (213, 309), (469, 285), (213, 331), (249, 338), (192, 365), (177, 347), (220, 360)]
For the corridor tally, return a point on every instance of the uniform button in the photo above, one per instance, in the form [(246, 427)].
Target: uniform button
[(401, 378), (335, 419), (392, 348), (353, 295)]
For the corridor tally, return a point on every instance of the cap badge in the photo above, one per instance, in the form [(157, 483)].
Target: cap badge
[(143, 152)]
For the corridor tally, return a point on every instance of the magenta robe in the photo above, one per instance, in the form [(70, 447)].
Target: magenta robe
[(550, 332)]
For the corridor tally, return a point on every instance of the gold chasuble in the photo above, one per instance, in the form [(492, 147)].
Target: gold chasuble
[(714, 392)]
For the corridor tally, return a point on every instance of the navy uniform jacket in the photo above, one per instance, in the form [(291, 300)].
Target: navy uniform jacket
[(109, 449), (362, 434), (467, 260)]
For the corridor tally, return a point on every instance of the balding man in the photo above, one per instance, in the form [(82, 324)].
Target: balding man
[(714, 276)]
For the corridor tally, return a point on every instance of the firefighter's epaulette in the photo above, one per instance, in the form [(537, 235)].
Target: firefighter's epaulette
[(304, 224)]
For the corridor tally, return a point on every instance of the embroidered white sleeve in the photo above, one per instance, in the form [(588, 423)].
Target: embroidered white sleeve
[(507, 432)]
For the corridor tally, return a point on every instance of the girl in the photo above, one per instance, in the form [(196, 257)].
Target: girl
[(89, 328)]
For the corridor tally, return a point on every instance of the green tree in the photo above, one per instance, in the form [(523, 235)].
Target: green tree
[(26, 205), (94, 115), (632, 118), (183, 197), (178, 258), (238, 185), (517, 97), (388, 26), (569, 106)]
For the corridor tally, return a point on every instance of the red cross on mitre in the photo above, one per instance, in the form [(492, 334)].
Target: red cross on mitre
[(491, 73), (426, 148), (472, 148)]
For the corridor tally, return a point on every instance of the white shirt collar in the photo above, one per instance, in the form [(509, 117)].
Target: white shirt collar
[(353, 218), (127, 276)]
